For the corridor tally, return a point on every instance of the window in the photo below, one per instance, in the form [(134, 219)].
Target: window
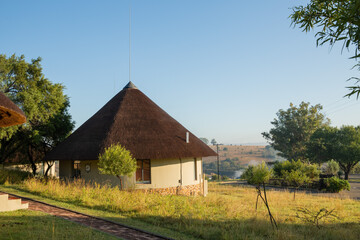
[(77, 169), (143, 173), (195, 169)]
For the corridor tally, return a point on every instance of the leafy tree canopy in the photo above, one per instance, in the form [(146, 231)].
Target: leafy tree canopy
[(25, 84), (340, 144), (336, 21), (292, 130), (117, 161), (257, 175), (44, 104)]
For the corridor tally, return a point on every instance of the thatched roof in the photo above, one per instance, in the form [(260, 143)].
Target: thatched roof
[(131, 119), (10, 114)]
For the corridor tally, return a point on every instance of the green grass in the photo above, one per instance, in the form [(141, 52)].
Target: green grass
[(26, 224), (354, 180), (13, 176), (228, 212)]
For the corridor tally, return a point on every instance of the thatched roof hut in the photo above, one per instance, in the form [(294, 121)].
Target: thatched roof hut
[(131, 119), (10, 114)]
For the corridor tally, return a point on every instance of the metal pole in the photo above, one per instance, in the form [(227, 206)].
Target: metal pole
[(218, 161)]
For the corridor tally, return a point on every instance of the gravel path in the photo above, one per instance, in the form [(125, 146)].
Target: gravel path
[(113, 228)]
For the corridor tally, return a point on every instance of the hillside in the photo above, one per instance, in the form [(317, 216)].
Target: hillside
[(236, 157)]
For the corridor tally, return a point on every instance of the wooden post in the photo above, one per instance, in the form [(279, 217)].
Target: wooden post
[(203, 184)]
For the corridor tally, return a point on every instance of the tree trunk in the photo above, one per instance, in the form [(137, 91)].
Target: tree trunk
[(257, 199), (31, 160), (272, 219), (346, 173), (294, 193), (121, 186), (48, 168)]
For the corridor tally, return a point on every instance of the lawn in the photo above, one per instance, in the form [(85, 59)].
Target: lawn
[(228, 212), (26, 224)]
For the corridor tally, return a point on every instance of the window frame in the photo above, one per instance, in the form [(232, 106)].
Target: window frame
[(195, 169), (142, 181)]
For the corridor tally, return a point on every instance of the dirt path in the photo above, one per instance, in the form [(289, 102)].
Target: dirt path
[(100, 224)]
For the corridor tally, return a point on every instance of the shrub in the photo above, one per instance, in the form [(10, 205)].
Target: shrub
[(282, 169), (13, 176), (215, 177), (312, 171), (224, 177), (335, 184), (331, 167), (257, 175), (356, 169), (117, 161)]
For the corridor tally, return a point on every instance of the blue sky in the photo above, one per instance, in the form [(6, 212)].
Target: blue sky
[(221, 68)]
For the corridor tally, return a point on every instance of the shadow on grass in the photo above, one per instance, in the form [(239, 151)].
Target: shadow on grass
[(78, 202), (220, 227), (250, 229), (26, 224)]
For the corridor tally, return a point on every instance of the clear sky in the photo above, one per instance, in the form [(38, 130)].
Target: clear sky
[(222, 68)]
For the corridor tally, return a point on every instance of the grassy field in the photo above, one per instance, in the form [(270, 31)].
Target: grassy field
[(26, 224), (228, 212)]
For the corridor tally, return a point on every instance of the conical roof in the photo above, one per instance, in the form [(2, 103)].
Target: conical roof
[(131, 119), (10, 114)]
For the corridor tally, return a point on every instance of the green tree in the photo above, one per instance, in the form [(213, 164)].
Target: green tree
[(310, 170), (25, 84), (340, 144), (258, 176), (213, 141), (117, 161), (331, 167), (205, 140), (53, 132), (296, 178), (292, 129), (335, 21)]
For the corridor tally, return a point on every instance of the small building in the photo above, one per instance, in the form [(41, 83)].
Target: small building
[(169, 157)]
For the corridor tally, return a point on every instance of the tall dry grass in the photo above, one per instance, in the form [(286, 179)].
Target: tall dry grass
[(228, 212)]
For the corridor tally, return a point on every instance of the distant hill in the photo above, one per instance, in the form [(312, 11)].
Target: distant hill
[(236, 157)]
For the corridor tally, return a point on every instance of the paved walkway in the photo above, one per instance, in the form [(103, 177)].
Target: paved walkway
[(100, 224)]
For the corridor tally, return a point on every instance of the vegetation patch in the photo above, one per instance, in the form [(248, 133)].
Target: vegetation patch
[(228, 212), (26, 224), (13, 176)]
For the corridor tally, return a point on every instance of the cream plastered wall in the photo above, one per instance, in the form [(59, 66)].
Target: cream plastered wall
[(164, 173), (172, 173), (41, 168), (94, 175)]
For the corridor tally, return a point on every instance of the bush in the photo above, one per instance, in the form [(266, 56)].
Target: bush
[(215, 177), (224, 177), (282, 169), (258, 174), (331, 167), (356, 169), (13, 176), (335, 184)]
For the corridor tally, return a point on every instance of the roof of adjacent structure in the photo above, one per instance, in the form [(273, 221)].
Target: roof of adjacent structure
[(10, 114), (131, 119)]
